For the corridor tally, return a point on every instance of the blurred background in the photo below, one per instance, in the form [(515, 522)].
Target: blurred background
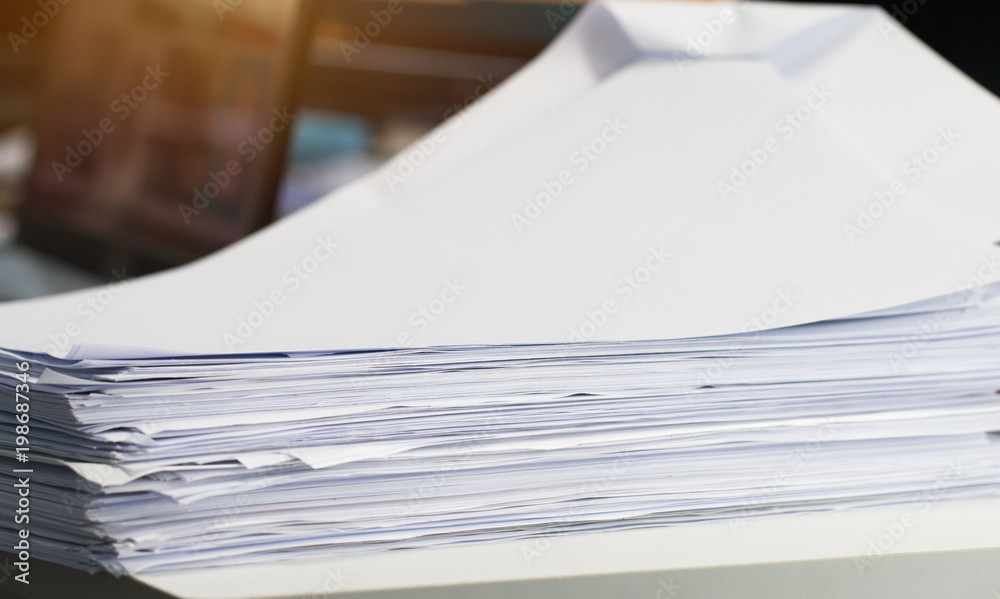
[(137, 135)]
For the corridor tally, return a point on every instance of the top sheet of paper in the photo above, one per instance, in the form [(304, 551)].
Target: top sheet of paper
[(661, 171)]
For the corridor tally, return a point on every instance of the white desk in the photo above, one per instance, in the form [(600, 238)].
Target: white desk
[(950, 550)]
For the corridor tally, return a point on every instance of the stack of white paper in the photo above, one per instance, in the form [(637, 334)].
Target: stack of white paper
[(144, 464), (646, 281)]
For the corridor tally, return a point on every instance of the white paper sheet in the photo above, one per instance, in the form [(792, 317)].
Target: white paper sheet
[(651, 199)]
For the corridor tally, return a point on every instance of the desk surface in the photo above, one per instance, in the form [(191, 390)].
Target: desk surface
[(928, 549)]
